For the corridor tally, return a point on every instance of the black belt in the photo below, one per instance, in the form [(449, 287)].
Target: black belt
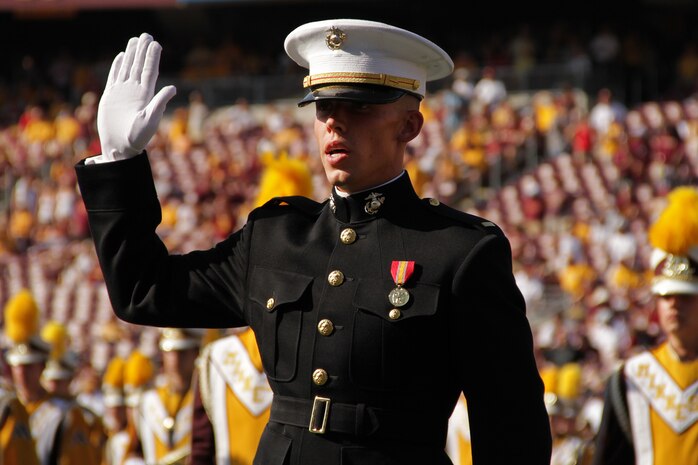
[(321, 415)]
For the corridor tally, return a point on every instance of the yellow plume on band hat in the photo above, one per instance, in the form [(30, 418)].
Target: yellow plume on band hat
[(283, 176), (62, 361), (113, 382), (21, 329), (138, 370), (676, 229), (569, 381), (56, 335), (21, 317), (114, 373)]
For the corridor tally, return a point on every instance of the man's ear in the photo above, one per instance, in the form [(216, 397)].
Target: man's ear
[(414, 120)]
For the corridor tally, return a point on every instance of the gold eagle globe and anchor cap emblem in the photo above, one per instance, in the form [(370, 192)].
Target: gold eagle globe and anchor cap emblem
[(334, 38)]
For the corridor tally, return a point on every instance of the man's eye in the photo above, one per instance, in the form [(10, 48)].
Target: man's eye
[(323, 106), (360, 106)]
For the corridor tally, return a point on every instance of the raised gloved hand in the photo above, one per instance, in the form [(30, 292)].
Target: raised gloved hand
[(128, 114)]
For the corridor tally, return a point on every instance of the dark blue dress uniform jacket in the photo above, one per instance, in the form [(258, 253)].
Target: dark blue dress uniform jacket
[(376, 386)]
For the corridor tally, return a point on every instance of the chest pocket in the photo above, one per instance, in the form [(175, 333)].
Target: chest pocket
[(391, 346), (278, 300)]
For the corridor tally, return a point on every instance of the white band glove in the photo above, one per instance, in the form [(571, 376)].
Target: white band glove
[(128, 114)]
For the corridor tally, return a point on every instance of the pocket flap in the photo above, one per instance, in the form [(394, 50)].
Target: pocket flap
[(271, 288), (372, 296)]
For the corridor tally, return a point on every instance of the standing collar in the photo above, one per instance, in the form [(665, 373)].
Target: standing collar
[(373, 203), (344, 194)]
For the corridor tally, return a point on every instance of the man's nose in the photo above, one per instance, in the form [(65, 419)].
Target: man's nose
[(335, 119)]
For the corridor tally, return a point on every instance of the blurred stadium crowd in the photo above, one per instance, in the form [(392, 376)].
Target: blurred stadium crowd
[(574, 176)]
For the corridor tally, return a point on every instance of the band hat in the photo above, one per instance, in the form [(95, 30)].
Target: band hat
[(674, 274), (62, 361), (26, 353), (60, 369), (180, 339), (674, 237), (113, 397), (21, 330), (366, 61)]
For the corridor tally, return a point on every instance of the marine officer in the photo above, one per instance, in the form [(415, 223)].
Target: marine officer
[(373, 310)]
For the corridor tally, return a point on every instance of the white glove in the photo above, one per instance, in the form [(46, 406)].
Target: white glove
[(128, 114)]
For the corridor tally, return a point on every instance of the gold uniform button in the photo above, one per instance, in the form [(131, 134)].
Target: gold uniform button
[(335, 278), (270, 303), (320, 377), (347, 236), (394, 314), (325, 327), (434, 202)]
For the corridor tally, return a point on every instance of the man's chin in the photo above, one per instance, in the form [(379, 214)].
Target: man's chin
[(338, 179)]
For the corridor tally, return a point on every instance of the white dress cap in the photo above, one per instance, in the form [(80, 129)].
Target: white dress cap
[(347, 52)]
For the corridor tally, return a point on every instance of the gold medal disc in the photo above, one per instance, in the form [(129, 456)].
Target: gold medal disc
[(399, 297)]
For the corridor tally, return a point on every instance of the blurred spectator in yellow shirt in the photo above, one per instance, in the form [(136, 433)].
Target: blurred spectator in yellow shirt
[(38, 128), (20, 228), (67, 127)]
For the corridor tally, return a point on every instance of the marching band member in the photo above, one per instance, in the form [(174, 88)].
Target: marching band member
[(650, 414), (164, 414), (236, 397), (58, 427), (16, 442), (58, 376)]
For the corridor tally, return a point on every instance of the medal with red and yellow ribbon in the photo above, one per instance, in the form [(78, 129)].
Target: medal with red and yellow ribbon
[(401, 270)]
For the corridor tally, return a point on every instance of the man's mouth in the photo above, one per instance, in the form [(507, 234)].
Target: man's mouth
[(335, 152)]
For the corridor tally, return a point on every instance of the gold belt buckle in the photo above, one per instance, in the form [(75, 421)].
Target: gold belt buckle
[(319, 414)]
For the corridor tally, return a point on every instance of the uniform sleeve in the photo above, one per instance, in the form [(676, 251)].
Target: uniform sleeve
[(495, 365), (146, 284), (612, 445)]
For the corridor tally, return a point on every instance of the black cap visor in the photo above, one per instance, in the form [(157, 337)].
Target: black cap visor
[(365, 93)]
